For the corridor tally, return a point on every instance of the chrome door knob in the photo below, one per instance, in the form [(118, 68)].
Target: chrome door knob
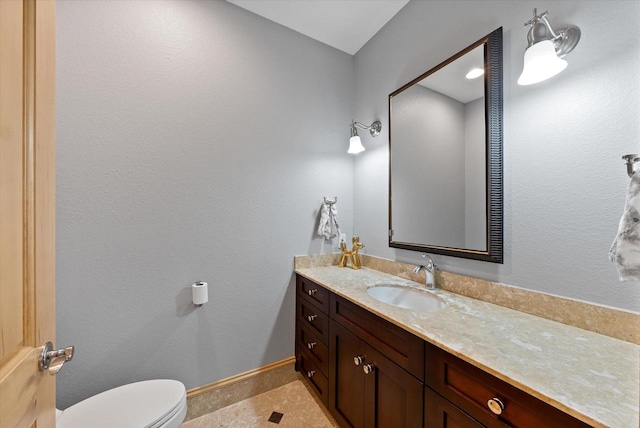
[(495, 405), (311, 373), (367, 368), (312, 317), (358, 360), (312, 291), (311, 345)]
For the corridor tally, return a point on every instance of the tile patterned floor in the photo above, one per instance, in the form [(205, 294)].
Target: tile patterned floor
[(293, 400)]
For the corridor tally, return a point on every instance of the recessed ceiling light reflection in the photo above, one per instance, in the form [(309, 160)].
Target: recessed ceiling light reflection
[(475, 73)]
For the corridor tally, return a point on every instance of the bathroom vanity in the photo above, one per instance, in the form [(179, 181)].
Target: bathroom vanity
[(471, 364)]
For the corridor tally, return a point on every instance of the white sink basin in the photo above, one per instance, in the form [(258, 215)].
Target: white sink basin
[(408, 298)]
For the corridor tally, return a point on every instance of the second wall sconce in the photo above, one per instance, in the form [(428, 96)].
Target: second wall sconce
[(546, 48), (355, 145)]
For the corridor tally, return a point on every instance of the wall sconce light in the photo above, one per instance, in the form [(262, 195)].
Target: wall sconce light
[(355, 145), (545, 49)]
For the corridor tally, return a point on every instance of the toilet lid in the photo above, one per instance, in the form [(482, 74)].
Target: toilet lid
[(136, 405)]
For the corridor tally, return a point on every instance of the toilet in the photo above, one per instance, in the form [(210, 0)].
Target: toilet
[(159, 403)]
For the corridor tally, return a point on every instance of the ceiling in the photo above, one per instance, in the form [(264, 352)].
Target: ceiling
[(343, 24), (348, 25)]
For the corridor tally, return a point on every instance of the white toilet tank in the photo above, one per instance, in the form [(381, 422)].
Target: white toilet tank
[(160, 403)]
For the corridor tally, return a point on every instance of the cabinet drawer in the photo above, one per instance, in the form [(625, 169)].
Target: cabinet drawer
[(316, 349), (313, 293), (471, 389), (314, 320), (399, 345), (318, 381)]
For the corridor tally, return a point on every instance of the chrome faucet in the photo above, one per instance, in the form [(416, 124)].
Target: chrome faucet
[(430, 273)]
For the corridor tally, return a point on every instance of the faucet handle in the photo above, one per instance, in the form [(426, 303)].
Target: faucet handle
[(431, 265)]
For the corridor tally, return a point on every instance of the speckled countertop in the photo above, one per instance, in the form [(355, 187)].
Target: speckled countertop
[(588, 375)]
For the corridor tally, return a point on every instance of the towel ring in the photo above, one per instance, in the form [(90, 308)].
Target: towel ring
[(631, 159), (329, 201)]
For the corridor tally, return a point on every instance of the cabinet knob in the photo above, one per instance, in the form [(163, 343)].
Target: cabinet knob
[(311, 373), (312, 317), (312, 291), (495, 405), (311, 345), (367, 368), (358, 360)]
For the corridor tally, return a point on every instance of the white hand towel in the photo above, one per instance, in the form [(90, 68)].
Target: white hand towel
[(625, 251), (333, 221), (323, 225), (328, 224)]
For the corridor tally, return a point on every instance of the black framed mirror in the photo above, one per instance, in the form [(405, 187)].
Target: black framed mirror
[(445, 157)]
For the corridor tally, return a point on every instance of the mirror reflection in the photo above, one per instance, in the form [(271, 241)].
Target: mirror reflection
[(438, 158), (444, 181)]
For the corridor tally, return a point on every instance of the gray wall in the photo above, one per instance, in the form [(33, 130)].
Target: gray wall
[(195, 141), (564, 180)]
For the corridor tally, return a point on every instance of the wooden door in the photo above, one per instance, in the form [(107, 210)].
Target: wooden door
[(346, 379), (27, 292), (393, 397)]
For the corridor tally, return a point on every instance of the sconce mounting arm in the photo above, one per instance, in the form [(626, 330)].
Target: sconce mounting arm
[(564, 40), (374, 128)]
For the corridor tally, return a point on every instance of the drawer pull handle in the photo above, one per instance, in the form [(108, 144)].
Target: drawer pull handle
[(495, 405), (358, 360), (312, 317), (311, 345), (311, 373), (312, 291), (367, 368)]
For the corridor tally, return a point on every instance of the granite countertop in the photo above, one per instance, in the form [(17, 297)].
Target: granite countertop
[(593, 377)]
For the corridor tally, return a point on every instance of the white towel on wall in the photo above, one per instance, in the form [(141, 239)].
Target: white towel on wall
[(625, 251), (328, 226)]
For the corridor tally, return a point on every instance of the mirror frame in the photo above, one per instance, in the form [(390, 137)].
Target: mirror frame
[(494, 158)]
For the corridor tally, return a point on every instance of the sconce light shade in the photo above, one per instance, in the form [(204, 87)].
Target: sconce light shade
[(546, 48), (355, 145), (540, 63)]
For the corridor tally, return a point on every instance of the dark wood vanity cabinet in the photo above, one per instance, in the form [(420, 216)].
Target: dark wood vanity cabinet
[(371, 373), (367, 371), (375, 369), (367, 389), (312, 335)]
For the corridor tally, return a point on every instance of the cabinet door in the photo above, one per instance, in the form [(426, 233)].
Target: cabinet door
[(346, 379), (393, 397), (440, 413)]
